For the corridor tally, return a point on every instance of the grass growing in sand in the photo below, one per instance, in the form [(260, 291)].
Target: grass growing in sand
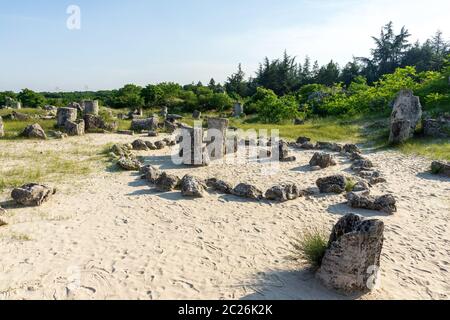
[(311, 247), (44, 167)]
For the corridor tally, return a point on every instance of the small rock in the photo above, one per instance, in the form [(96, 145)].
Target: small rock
[(219, 185), (167, 182), (32, 194), (160, 145), (150, 145), (303, 140), (283, 192), (323, 160), (152, 134), (332, 184), (129, 163), (440, 167), (150, 173), (247, 191), (351, 148), (139, 145), (384, 203), (192, 187)]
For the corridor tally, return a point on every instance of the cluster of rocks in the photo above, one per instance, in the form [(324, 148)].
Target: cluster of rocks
[(358, 194), (353, 255), (125, 157), (141, 145)]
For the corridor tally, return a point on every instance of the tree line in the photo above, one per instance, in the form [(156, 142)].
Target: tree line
[(284, 88)]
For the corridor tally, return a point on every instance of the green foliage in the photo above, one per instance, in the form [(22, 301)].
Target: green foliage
[(129, 97), (31, 99), (311, 247), (272, 109)]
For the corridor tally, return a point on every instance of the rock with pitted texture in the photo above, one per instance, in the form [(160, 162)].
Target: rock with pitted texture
[(129, 163), (386, 203), (353, 255), (219, 185), (32, 194), (167, 182), (245, 190), (150, 173), (323, 160), (441, 167), (66, 114), (406, 114), (283, 192), (332, 184), (192, 187), (139, 145)]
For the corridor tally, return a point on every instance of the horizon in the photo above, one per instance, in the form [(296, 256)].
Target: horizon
[(149, 42)]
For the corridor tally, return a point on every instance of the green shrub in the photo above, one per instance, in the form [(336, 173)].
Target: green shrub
[(311, 247)]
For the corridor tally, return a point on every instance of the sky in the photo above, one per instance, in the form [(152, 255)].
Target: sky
[(149, 41)]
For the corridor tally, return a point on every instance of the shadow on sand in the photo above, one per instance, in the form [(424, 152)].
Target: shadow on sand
[(291, 285), (343, 209), (434, 177)]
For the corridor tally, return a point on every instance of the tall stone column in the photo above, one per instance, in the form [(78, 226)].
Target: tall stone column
[(66, 114), (91, 107), (217, 137)]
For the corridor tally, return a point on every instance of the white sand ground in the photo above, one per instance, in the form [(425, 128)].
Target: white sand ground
[(110, 236)]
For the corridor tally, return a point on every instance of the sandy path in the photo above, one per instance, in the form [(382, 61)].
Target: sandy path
[(110, 236)]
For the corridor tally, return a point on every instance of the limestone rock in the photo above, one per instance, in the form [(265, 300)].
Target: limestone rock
[(139, 145), (437, 128), (219, 185), (247, 191), (121, 150), (150, 173), (440, 167), (332, 184), (149, 124), (405, 116), (192, 187), (91, 107), (74, 128), (283, 192), (160, 145), (351, 148), (32, 194), (353, 251), (362, 165), (129, 163), (66, 114), (167, 182), (384, 203), (34, 131), (303, 140), (322, 160), (2, 128)]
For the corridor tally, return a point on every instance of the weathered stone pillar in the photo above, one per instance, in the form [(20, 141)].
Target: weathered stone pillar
[(91, 107), (406, 114), (149, 124), (2, 129), (217, 137), (66, 114), (353, 254), (238, 110), (75, 128), (193, 152)]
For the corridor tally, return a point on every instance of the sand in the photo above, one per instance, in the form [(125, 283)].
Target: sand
[(109, 235)]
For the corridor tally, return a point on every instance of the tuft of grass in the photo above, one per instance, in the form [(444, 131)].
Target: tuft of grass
[(311, 247), (349, 185), (436, 149), (46, 167)]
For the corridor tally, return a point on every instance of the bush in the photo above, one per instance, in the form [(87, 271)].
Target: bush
[(311, 247)]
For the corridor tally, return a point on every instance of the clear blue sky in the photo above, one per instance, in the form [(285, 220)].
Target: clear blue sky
[(149, 41)]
